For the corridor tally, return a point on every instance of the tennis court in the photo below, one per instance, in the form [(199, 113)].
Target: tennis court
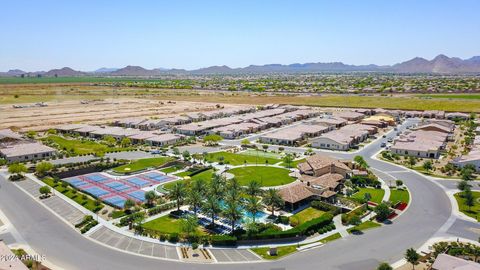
[(116, 200), (138, 195), (137, 181), (96, 191), (156, 177), (96, 177), (76, 182), (116, 185)]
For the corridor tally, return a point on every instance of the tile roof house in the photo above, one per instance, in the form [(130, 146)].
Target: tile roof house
[(448, 262), (321, 178), (26, 151)]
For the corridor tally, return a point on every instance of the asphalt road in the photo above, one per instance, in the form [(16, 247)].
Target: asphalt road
[(429, 210)]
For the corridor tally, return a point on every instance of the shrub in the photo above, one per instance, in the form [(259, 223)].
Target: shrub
[(173, 237), (223, 240)]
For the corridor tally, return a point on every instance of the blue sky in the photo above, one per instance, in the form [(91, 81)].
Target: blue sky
[(86, 35)]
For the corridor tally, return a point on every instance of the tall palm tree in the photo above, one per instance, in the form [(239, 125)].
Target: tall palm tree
[(199, 186), (232, 212), (253, 188), (253, 206), (211, 206), (273, 199), (217, 186), (194, 198), (178, 194), (233, 190)]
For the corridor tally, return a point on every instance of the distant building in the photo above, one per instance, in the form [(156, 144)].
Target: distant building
[(26, 151)]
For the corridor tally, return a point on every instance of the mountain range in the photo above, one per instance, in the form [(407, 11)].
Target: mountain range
[(441, 64)]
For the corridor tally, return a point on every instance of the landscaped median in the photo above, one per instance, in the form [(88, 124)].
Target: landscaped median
[(472, 210)]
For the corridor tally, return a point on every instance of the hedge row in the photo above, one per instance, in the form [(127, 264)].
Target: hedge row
[(158, 209), (124, 221)]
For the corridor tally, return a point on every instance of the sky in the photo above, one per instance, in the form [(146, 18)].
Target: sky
[(86, 35)]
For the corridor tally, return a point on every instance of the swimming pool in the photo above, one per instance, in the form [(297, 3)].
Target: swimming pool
[(259, 217)]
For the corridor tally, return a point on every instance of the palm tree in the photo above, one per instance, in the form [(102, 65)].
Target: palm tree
[(217, 185), (362, 164), (232, 212), (253, 188), (288, 159), (194, 198), (178, 194), (367, 197), (412, 257), (199, 186), (272, 198), (233, 189), (211, 206), (253, 206), (188, 226), (150, 197), (129, 203)]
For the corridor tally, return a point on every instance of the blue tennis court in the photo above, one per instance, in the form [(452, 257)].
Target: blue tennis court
[(76, 182), (138, 194), (96, 191), (137, 181), (96, 177), (157, 177), (117, 185), (116, 200)]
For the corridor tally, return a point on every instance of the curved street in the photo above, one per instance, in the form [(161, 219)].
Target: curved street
[(426, 216)]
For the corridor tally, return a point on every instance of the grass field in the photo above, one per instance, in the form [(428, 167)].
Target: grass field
[(88, 202), (399, 196), (281, 251), (166, 224), (205, 175), (364, 226), (305, 215), (474, 211), (239, 159), (267, 176), (377, 194), (142, 164), (294, 163), (452, 96), (331, 238), (260, 153), (80, 147), (172, 168)]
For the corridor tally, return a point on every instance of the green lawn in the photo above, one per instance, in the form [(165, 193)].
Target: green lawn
[(260, 153), (165, 224), (267, 176), (331, 238), (399, 195), (305, 215), (364, 226), (205, 175), (474, 211), (294, 163), (88, 203), (377, 194), (239, 159), (172, 168), (79, 147), (281, 251), (142, 164)]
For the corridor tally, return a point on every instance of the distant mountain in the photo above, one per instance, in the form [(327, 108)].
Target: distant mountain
[(12, 73), (63, 72), (135, 71), (441, 64), (105, 70)]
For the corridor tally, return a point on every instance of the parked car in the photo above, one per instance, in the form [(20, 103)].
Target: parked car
[(383, 144), (390, 140), (384, 136)]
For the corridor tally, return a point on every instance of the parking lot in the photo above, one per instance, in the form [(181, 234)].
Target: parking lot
[(58, 205), (127, 243), (234, 255)]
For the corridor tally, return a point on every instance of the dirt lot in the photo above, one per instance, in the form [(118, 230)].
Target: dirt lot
[(98, 111)]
